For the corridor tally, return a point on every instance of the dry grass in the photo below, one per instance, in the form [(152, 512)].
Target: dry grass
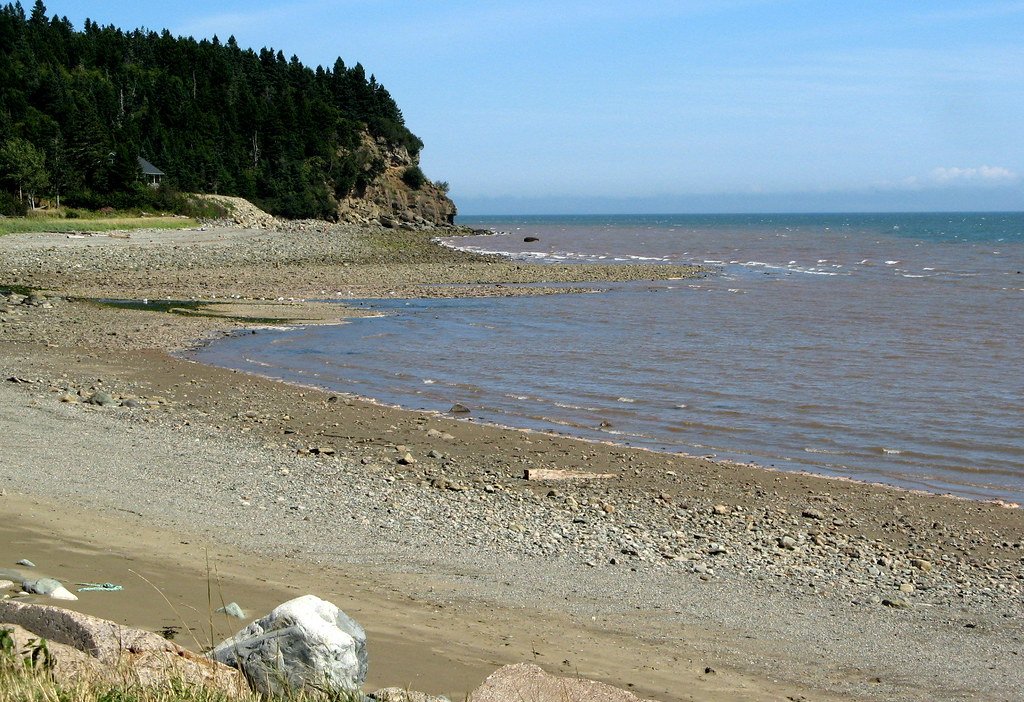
[(27, 676)]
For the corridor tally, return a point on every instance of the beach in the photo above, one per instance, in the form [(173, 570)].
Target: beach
[(677, 578)]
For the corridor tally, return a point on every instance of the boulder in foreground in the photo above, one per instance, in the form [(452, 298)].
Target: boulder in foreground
[(86, 647), (525, 681), (305, 644)]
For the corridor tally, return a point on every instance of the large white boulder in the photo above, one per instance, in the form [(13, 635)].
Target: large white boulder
[(304, 644)]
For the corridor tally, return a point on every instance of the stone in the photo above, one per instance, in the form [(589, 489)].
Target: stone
[(459, 409), (721, 510), (407, 460), (232, 610), (26, 562), (895, 603), (813, 514), (787, 542), (81, 645), (526, 681), (305, 644), (921, 564), (102, 399), (49, 587)]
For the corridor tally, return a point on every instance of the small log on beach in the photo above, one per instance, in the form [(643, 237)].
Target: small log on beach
[(556, 474)]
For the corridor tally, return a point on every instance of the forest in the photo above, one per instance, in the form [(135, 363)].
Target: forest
[(79, 108)]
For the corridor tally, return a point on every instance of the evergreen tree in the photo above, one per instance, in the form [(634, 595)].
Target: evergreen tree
[(213, 116)]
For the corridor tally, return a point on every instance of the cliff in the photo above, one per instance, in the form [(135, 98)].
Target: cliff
[(387, 197)]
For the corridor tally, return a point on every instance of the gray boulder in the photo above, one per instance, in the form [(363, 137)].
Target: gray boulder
[(305, 644)]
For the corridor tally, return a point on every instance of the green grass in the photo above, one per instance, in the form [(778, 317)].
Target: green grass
[(61, 225)]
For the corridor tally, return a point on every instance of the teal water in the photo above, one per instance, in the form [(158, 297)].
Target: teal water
[(884, 348)]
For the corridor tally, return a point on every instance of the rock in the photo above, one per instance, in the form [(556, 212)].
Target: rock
[(813, 514), (721, 510), (907, 587), (6, 584), (305, 644), (232, 610), (407, 460), (102, 399), (895, 603), (921, 564), (787, 542), (530, 239), (49, 587), (83, 646), (26, 562), (458, 409), (526, 681)]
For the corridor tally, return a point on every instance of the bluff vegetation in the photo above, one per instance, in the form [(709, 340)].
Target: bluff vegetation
[(78, 109)]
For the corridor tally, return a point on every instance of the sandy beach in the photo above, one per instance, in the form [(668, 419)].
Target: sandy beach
[(676, 578)]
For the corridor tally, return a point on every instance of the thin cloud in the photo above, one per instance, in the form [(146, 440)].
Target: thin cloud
[(996, 175), (979, 11)]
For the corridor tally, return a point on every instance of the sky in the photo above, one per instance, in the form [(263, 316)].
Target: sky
[(650, 106)]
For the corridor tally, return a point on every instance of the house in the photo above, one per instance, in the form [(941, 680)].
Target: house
[(150, 173)]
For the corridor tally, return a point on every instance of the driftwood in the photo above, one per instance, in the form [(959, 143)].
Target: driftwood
[(555, 474)]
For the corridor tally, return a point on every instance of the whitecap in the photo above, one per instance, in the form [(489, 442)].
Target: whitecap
[(627, 400), (891, 263), (891, 452)]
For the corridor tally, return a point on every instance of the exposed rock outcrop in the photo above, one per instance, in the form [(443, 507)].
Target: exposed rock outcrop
[(388, 199)]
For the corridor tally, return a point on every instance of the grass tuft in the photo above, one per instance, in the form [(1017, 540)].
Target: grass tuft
[(60, 225)]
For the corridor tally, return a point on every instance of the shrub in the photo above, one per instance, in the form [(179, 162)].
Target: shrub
[(10, 206), (413, 177)]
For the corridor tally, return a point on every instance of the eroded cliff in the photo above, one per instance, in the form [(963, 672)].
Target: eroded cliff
[(393, 192)]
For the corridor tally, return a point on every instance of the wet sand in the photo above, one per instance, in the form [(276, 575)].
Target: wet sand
[(91, 490)]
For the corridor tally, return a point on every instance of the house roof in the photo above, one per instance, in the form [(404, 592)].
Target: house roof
[(149, 169)]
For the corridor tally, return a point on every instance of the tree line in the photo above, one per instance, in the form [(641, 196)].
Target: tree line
[(78, 108)]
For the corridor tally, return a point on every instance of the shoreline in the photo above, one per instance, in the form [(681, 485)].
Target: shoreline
[(668, 454), (648, 554)]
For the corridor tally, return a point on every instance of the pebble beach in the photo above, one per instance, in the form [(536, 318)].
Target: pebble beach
[(675, 577)]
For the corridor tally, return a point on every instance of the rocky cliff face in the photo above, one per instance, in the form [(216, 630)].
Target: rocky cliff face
[(388, 199)]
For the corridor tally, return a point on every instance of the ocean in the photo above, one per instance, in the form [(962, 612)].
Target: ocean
[(878, 347)]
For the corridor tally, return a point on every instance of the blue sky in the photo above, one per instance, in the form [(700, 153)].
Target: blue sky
[(550, 106)]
